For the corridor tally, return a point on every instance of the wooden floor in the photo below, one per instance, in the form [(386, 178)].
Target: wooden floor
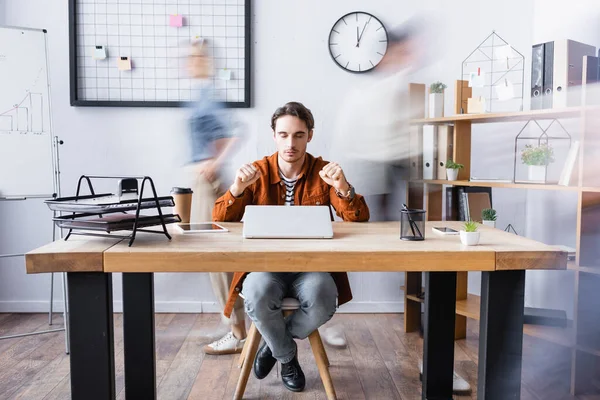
[(379, 363)]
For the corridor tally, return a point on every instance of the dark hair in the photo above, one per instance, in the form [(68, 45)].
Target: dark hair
[(297, 110)]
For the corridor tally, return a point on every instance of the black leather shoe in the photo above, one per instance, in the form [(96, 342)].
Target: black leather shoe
[(264, 362), (292, 376)]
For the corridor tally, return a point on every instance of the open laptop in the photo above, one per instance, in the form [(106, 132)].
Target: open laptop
[(287, 222)]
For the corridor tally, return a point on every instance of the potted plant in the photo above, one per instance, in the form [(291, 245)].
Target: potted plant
[(452, 170), (470, 235), (436, 100), (488, 217), (537, 158)]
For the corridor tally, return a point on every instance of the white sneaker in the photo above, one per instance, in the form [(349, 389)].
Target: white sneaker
[(334, 338), (228, 344), (459, 384)]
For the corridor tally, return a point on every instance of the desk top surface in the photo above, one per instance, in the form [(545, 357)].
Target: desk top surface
[(355, 247)]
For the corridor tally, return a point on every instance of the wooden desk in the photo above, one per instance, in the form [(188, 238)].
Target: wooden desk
[(503, 258)]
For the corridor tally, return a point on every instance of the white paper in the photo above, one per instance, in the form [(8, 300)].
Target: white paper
[(477, 81), (505, 91), (99, 53), (503, 52), (224, 74)]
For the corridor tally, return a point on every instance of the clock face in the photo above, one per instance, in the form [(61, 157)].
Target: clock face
[(358, 42)]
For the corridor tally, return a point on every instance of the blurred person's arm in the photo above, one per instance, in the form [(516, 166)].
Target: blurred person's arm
[(231, 206), (223, 148)]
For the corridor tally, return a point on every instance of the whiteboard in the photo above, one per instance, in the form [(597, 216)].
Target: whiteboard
[(26, 156), (133, 52)]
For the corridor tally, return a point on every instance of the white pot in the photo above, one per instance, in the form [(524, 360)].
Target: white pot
[(436, 105), (469, 238), (537, 173), (489, 223), (452, 173)]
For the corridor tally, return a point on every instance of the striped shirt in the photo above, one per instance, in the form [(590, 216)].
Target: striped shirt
[(290, 184)]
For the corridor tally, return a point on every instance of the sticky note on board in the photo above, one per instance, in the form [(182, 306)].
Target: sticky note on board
[(477, 79), (505, 91), (504, 52), (99, 53), (476, 105), (224, 74), (176, 21), (124, 63)]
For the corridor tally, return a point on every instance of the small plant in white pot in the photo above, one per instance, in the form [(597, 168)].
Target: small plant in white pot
[(452, 170), (436, 100), (469, 236), (488, 217), (537, 158)]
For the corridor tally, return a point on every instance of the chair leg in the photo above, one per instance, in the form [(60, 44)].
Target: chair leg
[(245, 348), (322, 349), (321, 358), (252, 342)]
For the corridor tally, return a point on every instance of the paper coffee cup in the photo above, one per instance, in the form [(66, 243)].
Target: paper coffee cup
[(183, 203)]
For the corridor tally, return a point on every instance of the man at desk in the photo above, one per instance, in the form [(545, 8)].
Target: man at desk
[(291, 176)]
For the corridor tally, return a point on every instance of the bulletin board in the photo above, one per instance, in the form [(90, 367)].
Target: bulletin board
[(134, 52)]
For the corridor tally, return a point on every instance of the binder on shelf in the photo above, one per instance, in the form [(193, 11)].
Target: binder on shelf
[(537, 76), (429, 152), (445, 145), (548, 68), (568, 71), (416, 152), (591, 69), (451, 208), (556, 68)]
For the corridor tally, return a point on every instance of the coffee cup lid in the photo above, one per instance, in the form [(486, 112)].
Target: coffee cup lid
[(180, 190)]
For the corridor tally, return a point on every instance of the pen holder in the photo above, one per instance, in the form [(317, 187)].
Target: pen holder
[(412, 224)]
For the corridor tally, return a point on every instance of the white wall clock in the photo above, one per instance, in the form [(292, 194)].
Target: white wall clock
[(358, 41)]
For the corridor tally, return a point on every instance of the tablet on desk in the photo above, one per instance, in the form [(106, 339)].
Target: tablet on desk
[(443, 230), (201, 227)]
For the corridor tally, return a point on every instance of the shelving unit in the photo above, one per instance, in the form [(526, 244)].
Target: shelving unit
[(583, 333), (508, 185), (500, 117)]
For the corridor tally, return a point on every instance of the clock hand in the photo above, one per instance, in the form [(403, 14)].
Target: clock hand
[(357, 37), (363, 31)]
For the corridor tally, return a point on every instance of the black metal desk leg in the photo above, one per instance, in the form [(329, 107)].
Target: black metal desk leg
[(91, 333), (438, 344), (138, 336), (501, 335)]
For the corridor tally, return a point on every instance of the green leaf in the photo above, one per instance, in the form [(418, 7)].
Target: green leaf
[(471, 226)]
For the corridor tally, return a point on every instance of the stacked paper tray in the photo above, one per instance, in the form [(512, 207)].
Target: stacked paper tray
[(112, 222), (105, 203)]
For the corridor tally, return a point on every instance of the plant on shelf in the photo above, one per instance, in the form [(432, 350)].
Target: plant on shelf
[(436, 100), (537, 158), (469, 236), (452, 170), (437, 87), (488, 217)]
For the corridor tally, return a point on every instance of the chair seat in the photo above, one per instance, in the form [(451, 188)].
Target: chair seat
[(288, 304)]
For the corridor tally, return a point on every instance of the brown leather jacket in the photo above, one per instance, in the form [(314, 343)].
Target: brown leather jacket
[(269, 190)]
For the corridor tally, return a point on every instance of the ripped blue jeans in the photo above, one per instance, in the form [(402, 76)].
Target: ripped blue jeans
[(263, 295)]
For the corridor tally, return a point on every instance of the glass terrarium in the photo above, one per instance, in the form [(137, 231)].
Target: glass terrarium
[(541, 153)]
